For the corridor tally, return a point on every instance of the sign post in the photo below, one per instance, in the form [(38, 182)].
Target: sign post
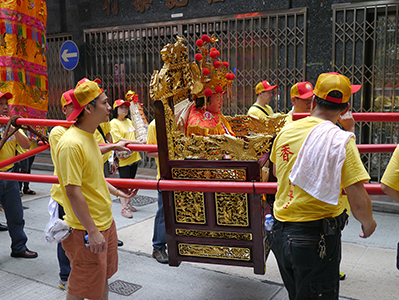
[(69, 55)]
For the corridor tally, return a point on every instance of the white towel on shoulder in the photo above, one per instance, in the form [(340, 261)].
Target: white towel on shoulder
[(317, 169)]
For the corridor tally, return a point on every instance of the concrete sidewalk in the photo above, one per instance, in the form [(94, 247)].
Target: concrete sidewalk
[(368, 263)]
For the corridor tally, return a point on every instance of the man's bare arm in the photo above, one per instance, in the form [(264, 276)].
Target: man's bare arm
[(120, 145), (394, 194), (22, 140), (361, 208), (81, 210)]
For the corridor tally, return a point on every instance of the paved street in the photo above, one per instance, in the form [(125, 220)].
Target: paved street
[(369, 264)]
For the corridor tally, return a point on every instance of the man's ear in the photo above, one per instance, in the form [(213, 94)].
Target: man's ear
[(345, 110), (293, 101), (313, 103), (88, 108)]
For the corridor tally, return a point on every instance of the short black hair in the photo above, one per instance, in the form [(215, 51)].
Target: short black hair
[(331, 105), (115, 113), (199, 102)]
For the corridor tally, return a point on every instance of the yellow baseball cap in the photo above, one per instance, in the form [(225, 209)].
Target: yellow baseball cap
[(82, 95), (264, 86), (66, 97), (302, 90), (328, 82)]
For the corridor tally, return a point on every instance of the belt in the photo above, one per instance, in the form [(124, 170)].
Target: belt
[(338, 221)]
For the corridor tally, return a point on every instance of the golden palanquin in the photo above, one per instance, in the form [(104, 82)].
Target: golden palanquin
[(221, 228)]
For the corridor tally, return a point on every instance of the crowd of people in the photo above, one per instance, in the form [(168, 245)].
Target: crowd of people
[(313, 160)]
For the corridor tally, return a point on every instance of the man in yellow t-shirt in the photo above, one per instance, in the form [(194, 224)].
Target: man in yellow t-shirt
[(264, 93), (159, 237), (390, 179), (301, 95), (10, 197), (56, 208), (86, 197), (306, 235)]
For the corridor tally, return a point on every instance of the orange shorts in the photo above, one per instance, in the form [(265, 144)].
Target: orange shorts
[(89, 271)]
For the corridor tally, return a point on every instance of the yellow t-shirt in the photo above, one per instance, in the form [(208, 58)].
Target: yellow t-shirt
[(124, 129), (54, 137), (106, 127), (292, 203), (288, 119), (8, 150), (255, 111), (391, 175), (79, 162), (152, 140)]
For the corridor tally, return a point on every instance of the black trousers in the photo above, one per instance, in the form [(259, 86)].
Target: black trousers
[(297, 249)]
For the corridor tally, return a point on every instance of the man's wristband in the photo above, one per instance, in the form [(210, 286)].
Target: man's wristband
[(117, 192)]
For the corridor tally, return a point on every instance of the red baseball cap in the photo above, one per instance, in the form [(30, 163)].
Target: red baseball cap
[(8, 95), (263, 87), (120, 102), (66, 98), (302, 90)]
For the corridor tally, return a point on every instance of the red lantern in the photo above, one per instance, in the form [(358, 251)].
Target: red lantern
[(206, 38), (213, 49), (218, 89), (216, 64), (230, 76), (217, 53), (198, 56), (208, 92), (205, 71), (226, 64), (199, 42), (213, 54)]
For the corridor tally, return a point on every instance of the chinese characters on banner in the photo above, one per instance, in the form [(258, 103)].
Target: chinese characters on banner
[(141, 5), (107, 6), (173, 3)]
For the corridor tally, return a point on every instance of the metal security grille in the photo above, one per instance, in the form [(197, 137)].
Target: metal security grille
[(59, 79), (258, 46), (366, 49)]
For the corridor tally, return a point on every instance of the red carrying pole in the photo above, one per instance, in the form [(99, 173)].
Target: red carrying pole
[(178, 185), (38, 122), (139, 147), (362, 117), (22, 156), (376, 148)]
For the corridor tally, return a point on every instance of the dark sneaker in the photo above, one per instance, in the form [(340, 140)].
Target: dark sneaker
[(342, 276), (160, 255), (62, 284)]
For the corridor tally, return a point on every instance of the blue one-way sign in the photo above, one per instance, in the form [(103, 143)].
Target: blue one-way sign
[(69, 55)]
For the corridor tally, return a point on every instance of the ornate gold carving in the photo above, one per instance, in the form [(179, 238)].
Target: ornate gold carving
[(190, 207), (244, 125), (174, 81), (209, 174), (215, 234), (231, 209), (175, 78), (223, 252)]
